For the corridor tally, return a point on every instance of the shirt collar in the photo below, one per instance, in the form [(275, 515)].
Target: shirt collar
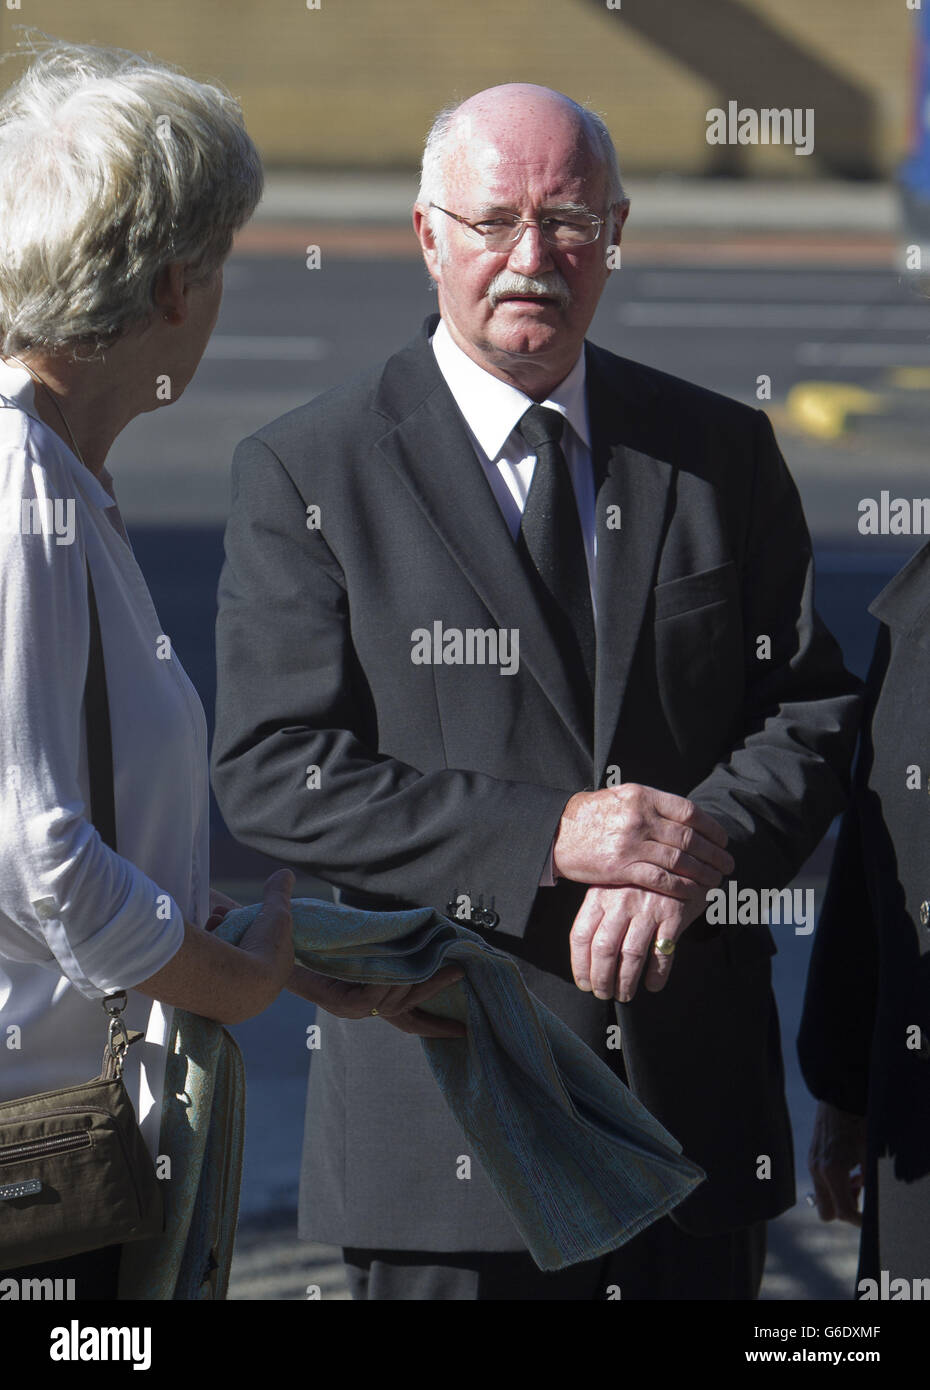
[(17, 388), (492, 408)]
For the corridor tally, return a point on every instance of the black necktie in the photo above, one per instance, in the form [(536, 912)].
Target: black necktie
[(552, 539)]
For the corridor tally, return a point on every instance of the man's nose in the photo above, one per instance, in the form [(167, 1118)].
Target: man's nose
[(531, 253)]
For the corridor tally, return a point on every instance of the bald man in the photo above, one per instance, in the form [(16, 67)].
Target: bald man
[(509, 669)]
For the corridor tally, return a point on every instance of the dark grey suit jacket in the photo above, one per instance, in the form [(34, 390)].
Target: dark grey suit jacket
[(444, 779)]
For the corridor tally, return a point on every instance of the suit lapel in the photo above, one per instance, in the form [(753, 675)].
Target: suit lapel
[(430, 449), (632, 488), (902, 604)]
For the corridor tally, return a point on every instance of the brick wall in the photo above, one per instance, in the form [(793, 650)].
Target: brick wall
[(354, 83)]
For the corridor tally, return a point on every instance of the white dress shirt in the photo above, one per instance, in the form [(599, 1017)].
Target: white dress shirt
[(492, 409), (78, 920)]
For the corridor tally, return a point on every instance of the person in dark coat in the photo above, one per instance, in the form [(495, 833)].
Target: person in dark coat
[(864, 1043), (655, 685)]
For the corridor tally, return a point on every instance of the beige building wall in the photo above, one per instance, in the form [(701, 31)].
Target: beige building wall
[(355, 82), (871, 43)]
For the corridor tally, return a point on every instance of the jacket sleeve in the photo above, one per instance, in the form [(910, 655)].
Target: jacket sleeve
[(291, 696), (835, 1037), (787, 774)]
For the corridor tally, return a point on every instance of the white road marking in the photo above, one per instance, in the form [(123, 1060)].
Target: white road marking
[(695, 314)]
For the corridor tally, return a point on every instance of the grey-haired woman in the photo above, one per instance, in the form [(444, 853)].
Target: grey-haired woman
[(122, 183)]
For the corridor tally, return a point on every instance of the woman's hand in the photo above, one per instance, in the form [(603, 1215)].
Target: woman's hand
[(396, 1004), (229, 983)]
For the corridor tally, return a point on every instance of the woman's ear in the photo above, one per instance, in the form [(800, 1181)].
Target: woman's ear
[(170, 293)]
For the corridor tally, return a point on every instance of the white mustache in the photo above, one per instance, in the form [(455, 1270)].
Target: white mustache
[(551, 284)]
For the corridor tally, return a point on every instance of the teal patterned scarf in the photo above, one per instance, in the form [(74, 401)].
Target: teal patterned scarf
[(581, 1166)]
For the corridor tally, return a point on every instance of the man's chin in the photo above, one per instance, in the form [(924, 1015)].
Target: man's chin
[(526, 335)]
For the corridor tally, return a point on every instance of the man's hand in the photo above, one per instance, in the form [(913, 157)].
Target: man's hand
[(614, 935), (641, 837), (396, 1004), (837, 1147)]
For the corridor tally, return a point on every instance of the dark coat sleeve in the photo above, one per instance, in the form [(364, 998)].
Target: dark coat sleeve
[(787, 774), (835, 1038), (291, 695)]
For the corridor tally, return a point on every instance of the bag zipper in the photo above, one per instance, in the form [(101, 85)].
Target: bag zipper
[(38, 1148), (83, 1110)]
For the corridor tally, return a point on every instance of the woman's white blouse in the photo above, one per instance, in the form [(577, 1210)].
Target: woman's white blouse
[(78, 921)]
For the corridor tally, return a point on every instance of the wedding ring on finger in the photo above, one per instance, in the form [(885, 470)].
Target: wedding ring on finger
[(664, 946)]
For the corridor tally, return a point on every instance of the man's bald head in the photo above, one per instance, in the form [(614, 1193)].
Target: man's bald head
[(493, 125), (528, 161)]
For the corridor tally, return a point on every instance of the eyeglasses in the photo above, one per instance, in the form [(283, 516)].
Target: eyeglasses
[(504, 229)]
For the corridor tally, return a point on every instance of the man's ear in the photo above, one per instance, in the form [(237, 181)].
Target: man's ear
[(170, 292), (427, 239), (616, 216), (621, 212)]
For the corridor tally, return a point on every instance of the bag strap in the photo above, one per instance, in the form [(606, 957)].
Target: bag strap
[(103, 810), (99, 742)]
